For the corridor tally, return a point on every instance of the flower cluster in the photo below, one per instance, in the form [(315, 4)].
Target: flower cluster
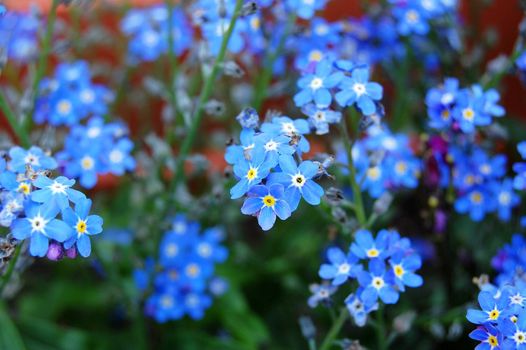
[(414, 16), (501, 318), (18, 35), (456, 109), (95, 149), (187, 258), (383, 266), (31, 202), (150, 30), (384, 161), (70, 96), (267, 172), (352, 83)]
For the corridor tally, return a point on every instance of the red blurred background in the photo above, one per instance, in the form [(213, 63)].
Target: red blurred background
[(503, 15)]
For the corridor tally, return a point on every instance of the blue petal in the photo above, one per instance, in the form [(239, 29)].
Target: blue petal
[(84, 246), (312, 192), (39, 245), (323, 98), (266, 218), (282, 209), (58, 230), (251, 206)]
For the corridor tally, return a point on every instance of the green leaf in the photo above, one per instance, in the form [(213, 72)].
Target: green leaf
[(9, 335)]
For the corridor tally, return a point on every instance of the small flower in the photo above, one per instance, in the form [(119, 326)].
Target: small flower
[(489, 336), (56, 193), (403, 269), (320, 118), (321, 293), (297, 181), (377, 283), (248, 118), (83, 225), (267, 203), (33, 157), (341, 267), (40, 225), (358, 90), (358, 309), (315, 87), (365, 247), (493, 309), (250, 172)]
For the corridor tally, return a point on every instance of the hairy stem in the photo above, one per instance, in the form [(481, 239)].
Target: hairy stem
[(335, 329)]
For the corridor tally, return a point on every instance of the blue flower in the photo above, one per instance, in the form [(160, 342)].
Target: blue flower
[(440, 102), (411, 19), (305, 8), (274, 146), (196, 304), (34, 157), (266, 203), (341, 267), (489, 336), (118, 159), (83, 225), (493, 310), (358, 309), (403, 269), (164, 306), (56, 193), (295, 129), (237, 153), (208, 246), (249, 172), (365, 247), (315, 87), (514, 332), (40, 225), (321, 293), (469, 112), (506, 197), (297, 181), (477, 202), (320, 118), (377, 283), (195, 272), (357, 89)]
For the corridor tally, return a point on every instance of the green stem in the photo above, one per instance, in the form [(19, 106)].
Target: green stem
[(357, 195), (43, 59), (335, 330), (380, 329), (173, 71), (203, 98), (16, 126), (11, 267), (265, 78)]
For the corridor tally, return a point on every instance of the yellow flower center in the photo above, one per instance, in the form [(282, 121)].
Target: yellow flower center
[(373, 173), (81, 226), (192, 270), (494, 314), (468, 114), (87, 163), (445, 114), (476, 197), (24, 188), (315, 55), (64, 107), (401, 167), (398, 270), (269, 200), (252, 174), (492, 340), (378, 282), (255, 23), (373, 253)]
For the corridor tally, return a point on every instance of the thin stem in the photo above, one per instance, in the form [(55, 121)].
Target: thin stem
[(11, 267), (335, 330), (265, 78), (205, 95), (357, 195), (173, 70), (16, 126), (43, 59), (380, 329)]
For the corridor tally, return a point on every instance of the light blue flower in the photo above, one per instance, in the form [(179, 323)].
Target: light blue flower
[(83, 225), (56, 193), (341, 267), (315, 87), (298, 181), (40, 225), (357, 89), (266, 203)]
